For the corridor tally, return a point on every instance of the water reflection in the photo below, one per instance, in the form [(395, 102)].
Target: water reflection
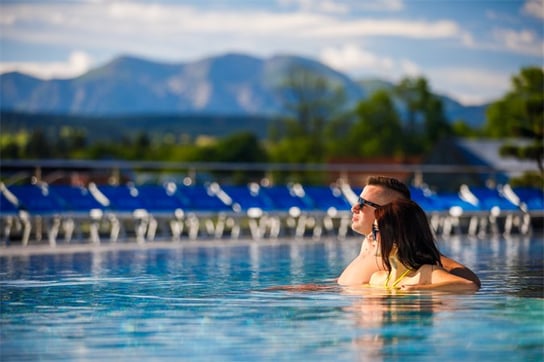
[(510, 264), (377, 313), (210, 298)]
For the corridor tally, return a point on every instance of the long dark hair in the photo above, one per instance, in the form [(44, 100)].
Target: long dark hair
[(404, 224)]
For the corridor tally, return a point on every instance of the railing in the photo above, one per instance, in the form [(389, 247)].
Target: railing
[(227, 166), (12, 171)]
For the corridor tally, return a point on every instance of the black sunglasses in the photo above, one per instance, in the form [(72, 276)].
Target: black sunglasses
[(362, 202)]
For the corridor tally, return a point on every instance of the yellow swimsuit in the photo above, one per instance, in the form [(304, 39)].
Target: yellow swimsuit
[(396, 281)]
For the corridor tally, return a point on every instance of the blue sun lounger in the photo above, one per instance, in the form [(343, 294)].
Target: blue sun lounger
[(329, 207), (247, 201), (9, 213), (207, 207), (166, 209), (39, 209), (79, 207), (493, 205)]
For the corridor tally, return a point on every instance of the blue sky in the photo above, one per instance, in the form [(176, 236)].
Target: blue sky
[(467, 49)]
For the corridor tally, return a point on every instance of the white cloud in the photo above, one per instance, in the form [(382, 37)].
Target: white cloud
[(469, 85), (467, 40), (409, 68), (144, 20), (174, 32), (523, 42), (150, 28), (329, 30), (534, 8), (331, 6), (77, 64), (354, 59), (390, 5), (351, 58), (6, 19), (325, 6), (399, 28)]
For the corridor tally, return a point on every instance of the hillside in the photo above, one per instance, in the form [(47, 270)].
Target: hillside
[(115, 128), (231, 84)]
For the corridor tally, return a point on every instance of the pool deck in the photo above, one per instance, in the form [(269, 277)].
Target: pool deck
[(132, 244)]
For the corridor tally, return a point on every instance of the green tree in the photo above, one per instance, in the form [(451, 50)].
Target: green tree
[(141, 147), (102, 150), (376, 133), (240, 148), (414, 93), (312, 102), (336, 133), (461, 128), (70, 141), (10, 150), (520, 113), (38, 145), (311, 98), (426, 122), (436, 126)]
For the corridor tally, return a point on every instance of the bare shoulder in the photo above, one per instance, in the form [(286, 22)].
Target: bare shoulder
[(448, 263), (441, 275), (437, 271), (378, 278), (359, 270), (440, 280), (460, 270)]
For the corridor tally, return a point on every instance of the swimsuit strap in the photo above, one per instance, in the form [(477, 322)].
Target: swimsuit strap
[(396, 281)]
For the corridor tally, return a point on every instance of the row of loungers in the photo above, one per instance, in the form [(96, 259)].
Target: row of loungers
[(173, 211)]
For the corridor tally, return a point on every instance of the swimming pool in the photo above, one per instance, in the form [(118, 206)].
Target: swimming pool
[(208, 301)]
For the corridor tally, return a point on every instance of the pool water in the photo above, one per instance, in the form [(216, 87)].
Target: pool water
[(219, 301)]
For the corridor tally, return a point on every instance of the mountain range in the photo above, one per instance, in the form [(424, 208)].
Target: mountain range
[(230, 84)]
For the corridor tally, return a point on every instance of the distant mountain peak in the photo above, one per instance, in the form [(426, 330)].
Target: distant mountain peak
[(235, 57), (132, 59), (20, 75), (231, 83)]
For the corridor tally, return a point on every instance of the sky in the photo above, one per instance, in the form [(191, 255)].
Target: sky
[(466, 49)]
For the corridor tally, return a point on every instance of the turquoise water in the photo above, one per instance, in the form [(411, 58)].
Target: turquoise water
[(211, 301)]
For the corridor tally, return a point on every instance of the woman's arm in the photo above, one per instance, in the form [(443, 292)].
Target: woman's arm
[(441, 280), (459, 270), (361, 268)]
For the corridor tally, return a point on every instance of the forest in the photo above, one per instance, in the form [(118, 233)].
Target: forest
[(317, 127)]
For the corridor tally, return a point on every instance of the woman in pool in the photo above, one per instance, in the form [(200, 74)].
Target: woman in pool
[(410, 256)]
